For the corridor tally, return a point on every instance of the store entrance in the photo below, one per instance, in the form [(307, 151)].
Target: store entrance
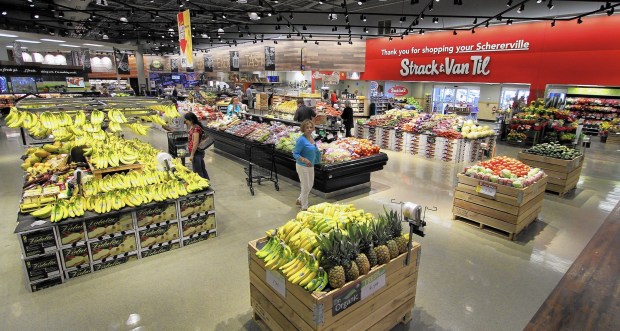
[(512, 97), (449, 99)]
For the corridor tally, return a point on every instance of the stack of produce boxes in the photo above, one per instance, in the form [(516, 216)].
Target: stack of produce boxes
[(41, 258), (74, 250), (197, 219), (111, 240), (158, 229)]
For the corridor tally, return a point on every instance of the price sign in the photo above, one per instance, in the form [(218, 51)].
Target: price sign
[(277, 282), (373, 283), (486, 189)]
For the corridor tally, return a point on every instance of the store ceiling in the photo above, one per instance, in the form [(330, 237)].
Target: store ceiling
[(153, 22)]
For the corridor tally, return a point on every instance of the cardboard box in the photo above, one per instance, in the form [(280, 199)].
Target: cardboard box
[(195, 238), (77, 272), (71, 233), (161, 248), (46, 283), (106, 225), (75, 256), (110, 247), (202, 223), (156, 214), (43, 267), (114, 262), (196, 204), (153, 235), (38, 242)]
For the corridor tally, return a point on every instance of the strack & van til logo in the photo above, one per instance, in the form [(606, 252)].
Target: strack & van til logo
[(478, 66)]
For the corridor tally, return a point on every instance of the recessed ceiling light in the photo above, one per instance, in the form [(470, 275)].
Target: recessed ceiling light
[(52, 40), (67, 45), (8, 35), (97, 45), (28, 41), (4, 13)]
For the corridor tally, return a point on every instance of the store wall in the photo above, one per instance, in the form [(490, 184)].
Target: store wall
[(529, 53)]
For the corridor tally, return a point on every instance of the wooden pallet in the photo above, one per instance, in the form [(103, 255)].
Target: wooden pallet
[(563, 174), (290, 307), (509, 211), (98, 173)]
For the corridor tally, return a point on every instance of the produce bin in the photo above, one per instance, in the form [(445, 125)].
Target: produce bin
[(500, 209), (563, 175), (613, 138), (377, 301)]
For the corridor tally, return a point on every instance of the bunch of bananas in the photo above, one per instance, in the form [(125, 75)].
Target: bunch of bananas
[(80, 118), (301, 269), (61, 209), (104, 156), (39, 131), (138, 128), (169, 111), (116, 116), (62, 134), (53, 121), (15, 118), (96, 117), (91, 128), (297, 237)]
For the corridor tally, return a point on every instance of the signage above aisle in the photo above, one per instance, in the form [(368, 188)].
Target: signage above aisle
[(185, 39), (569, 53)]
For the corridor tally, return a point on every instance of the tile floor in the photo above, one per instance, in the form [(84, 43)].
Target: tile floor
[(469, 280)]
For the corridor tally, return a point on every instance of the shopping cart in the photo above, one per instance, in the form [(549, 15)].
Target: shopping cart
[(261, 165), (177, 144)]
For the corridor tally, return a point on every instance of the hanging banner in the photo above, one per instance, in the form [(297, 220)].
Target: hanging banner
[(122, 62), (85, 58), (270, 58), (234, 60), (208, 60), (17, 53), (185, 39)]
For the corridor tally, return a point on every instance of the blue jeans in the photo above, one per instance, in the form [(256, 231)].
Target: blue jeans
[(198, 164)]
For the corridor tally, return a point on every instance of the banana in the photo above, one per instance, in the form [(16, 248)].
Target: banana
[(43, 212), (305, 280), (324, 280), (293, 232), (96, 117)]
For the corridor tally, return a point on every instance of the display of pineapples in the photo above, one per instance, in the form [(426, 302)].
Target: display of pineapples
[(366, 243), (360, 258), (396, 231), (334, 258), (381, 237)]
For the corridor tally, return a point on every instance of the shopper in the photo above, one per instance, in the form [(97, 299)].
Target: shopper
[(303, 112), (234, 108), (347, 118), (197, 133), (238, 92), (306, 155), (334, 98), (326, 95), (249, 96), (196, 96)]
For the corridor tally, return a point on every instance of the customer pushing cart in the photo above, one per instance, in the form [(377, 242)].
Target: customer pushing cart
[(261, 165)]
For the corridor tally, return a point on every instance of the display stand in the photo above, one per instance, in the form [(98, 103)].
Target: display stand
[(563, 175), (379, 300), (53, 253), (613, 138), (499, 209)]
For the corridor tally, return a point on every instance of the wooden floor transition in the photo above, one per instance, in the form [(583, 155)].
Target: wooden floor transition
[(588, 296)]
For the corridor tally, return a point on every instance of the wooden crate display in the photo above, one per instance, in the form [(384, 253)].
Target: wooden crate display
[(613, 138), (563, 175), (509, 211), (377, 301)]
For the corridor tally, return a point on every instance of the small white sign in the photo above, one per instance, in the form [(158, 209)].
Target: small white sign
[(277, 282), (373, 284), (487, 189)]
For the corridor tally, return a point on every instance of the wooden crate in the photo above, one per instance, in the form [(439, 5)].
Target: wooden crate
[(99, 173), (563, 175), (387, 296), (508, 212), (613, 138)]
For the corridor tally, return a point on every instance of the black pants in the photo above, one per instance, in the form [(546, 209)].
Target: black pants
[(198, 164), (347, 130)]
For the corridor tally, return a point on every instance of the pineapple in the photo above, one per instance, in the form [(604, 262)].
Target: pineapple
[(381, 238), (360, 259), (351, 271), (333, 258), (366, 243), (336, 277), (396, 230)]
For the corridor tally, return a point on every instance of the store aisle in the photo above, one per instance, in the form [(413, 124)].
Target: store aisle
[(468, 280)]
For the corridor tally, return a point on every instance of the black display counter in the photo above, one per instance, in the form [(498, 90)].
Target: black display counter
[(328, 178)]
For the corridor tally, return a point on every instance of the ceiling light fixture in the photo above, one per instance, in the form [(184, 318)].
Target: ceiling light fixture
[(521, 8), (8, 35), (290, 16), (509, 3), (553, 23), (579, 20), (69, 45), (538, 1), (366, 30), (473, 31), (435, 20), (454, 32), (96, 45), (421, 31), (475, 21), (304, 28), (52, 40), (611, 11), (430, 7), (486, 25), (550, 5)]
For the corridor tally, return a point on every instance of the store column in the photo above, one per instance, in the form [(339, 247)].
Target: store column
[(140, 66)]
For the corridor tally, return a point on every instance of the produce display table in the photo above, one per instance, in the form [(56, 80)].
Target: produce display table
[(563, 175), (499, 208), (53, 253), (377, 301), (328, 178)]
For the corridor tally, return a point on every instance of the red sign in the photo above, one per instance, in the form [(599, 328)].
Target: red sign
[(398, 91), (530, 53)]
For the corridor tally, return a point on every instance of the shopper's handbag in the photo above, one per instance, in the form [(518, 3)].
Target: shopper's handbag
[(205, 142)]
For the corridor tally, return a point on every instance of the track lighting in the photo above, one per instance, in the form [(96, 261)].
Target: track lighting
[(223, 16), (538, 1), (402, 19), (509, 3), (475, 21), (610, 11), (454, 32), (421, 31), (521, 8), (316, 42), (60, 14), (339, 43), (422, 16), (435, 20), (579, 20), (304, 28), (390, 38), (553, 23), (509, 22), (550, 5), (486, 25), (290, 16), (363, 18), (430, 7), (366, 30)]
